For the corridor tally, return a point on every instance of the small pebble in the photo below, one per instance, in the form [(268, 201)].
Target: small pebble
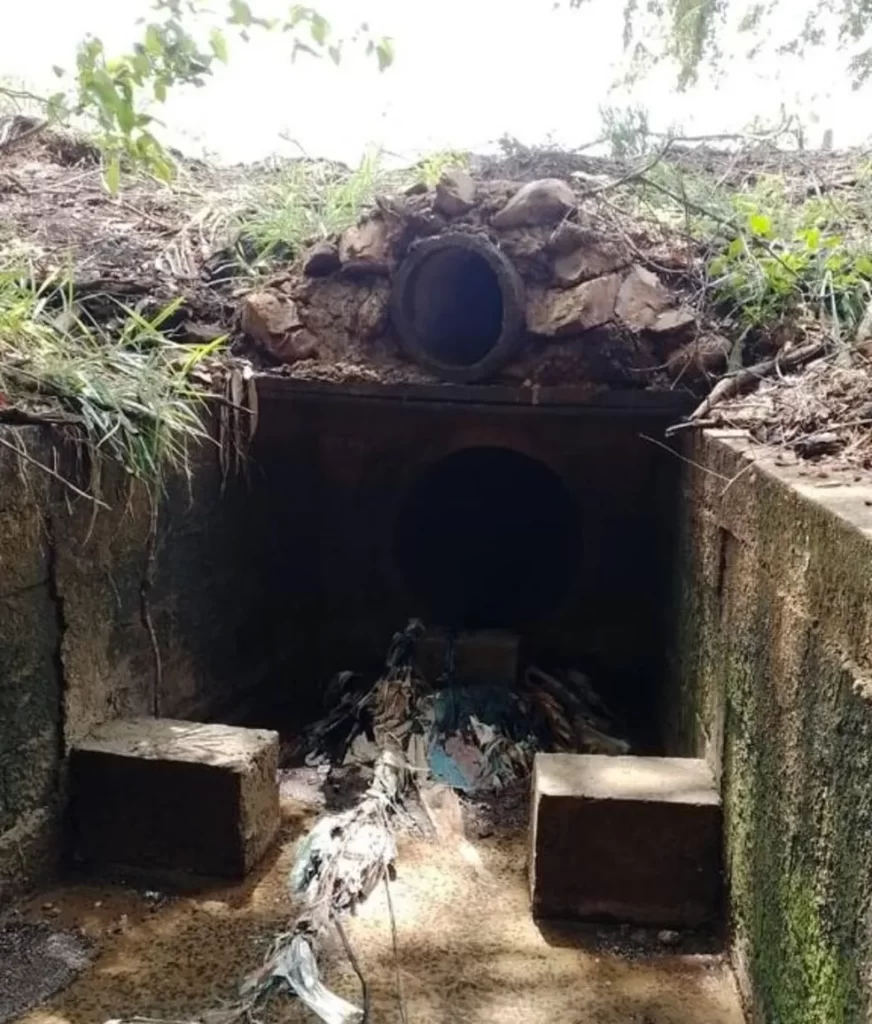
[(668, 938)]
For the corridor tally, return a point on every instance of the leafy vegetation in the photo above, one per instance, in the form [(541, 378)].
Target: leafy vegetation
[(794, 263), (434, 165), (129, 393), (775, 258), (692, 34), (181, 44)]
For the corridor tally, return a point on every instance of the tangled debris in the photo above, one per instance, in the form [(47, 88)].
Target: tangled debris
[(408, 736), (411, 739), (473, 736), (823, 412)]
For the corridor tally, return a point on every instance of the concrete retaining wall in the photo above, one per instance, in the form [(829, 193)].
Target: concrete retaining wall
[(74, 648), (772, 680)]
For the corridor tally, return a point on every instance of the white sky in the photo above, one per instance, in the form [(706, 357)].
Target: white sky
[(466, 71)]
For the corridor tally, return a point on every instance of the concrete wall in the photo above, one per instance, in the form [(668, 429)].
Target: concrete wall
[(772, 680), (74, 648)]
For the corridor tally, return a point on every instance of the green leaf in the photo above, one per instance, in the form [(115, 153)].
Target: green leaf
[(760, 225), (384, 52), (126, 117), (240, 13), (59, 71), (335, 53), (736, 248), (141, 65), (319, 29), (160, 90), (153, 41), (112, 174), (219, 45), (297, 14)]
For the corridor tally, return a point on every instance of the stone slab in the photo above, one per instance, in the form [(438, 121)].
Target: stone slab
[(165, 796), (480, 655), (629, 839)]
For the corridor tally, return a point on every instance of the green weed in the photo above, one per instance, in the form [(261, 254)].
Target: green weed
[(129, 394)]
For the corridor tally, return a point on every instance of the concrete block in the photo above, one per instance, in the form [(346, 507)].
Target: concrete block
[(484, 655), (630, 839), (170, 797)]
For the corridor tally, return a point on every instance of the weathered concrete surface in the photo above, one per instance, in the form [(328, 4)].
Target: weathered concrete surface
[(627, 839), (74, 647), (772, 678), (30, 685), (160, 795)]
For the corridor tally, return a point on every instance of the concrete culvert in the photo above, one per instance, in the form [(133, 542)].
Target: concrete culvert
[(458, 307), (487, 538)]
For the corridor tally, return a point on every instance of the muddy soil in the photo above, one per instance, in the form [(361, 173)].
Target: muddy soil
[(468, 949)]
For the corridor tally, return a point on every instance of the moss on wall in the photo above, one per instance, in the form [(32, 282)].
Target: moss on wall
[(771, 682)]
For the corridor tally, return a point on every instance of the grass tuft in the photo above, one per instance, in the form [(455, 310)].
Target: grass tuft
[(306, 201), (130, 394)]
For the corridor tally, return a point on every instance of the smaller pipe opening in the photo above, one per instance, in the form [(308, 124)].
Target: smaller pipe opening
[(454, 304)]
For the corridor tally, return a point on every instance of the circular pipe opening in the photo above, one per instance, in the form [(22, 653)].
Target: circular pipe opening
[(458, 306), (487, 538)]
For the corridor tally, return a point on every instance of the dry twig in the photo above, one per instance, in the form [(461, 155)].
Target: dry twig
[(749, 377)]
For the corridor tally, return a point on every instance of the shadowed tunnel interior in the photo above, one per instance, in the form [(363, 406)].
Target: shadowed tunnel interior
[(455, 305), (488, 538)]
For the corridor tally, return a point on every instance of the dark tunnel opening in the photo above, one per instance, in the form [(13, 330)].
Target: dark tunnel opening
[(454, 303), (488, 538)]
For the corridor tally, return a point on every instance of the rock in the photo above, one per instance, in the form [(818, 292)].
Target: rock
[(455, 194), (674, 321), (417, 188), (538, 202), (527, 249), (268, 314), (366, 247), (554, 314), (322, 260), (642, 299), (669, 938), (587, 262), (371, 319), (201, 334), (567, 237), (272, 321)]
